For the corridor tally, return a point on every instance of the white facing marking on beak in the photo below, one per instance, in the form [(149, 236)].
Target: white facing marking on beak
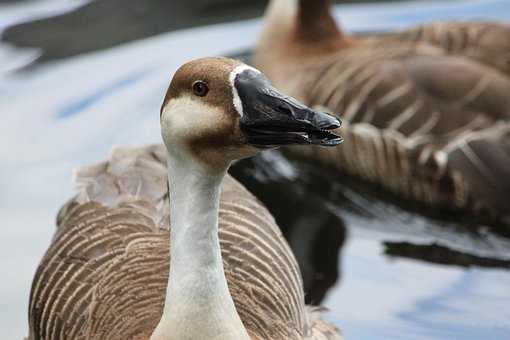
[(237, 100)]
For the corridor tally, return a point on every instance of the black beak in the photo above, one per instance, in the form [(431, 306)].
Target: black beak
[(270, 118)]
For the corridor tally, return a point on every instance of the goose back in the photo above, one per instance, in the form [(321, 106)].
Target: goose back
[(426, 109), (484, 41), (105, 274), (421, 122)]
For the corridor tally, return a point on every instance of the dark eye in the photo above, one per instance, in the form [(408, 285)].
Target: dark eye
[(200, 88)]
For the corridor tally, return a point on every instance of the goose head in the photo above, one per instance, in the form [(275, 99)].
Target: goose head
[(217, 110)]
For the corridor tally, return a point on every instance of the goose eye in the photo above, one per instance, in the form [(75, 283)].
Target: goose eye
[(200, 88)]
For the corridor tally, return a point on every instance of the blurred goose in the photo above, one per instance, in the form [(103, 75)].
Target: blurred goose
[(424, 122), (116, 270)]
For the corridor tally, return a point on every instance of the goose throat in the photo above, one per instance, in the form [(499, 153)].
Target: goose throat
[(198, 303)]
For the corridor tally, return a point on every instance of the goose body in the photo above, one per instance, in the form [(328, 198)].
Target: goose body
[(424, 119), (133, 260)]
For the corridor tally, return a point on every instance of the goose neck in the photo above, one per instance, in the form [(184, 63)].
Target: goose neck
[(198, 303), (314, 21), (297, 32)]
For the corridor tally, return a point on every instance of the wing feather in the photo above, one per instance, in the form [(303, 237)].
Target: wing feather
[(402, 121), (105, 273)]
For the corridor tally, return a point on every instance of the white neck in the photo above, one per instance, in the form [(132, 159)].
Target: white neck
[(280, 19), (198, 303), (276, 38)]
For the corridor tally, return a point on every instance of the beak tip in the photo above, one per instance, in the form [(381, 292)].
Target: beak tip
[(337, 123), (336, 141)]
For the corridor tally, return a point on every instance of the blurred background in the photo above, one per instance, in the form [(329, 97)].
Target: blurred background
[(78, 77)]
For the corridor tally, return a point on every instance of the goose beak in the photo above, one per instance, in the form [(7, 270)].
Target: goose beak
[(270, 118)]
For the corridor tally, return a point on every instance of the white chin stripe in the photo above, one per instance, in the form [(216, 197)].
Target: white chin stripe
[(237, 100)]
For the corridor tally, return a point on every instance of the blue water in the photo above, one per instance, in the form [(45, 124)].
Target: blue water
[(68, 113)]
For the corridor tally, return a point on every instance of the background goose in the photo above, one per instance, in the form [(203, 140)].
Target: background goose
[(107, 269), (422, 121)]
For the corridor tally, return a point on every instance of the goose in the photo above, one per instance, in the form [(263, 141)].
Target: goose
[(116, 269), (426, 123)]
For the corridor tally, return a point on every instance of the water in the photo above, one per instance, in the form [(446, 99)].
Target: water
[(373, 264), (386, 282)]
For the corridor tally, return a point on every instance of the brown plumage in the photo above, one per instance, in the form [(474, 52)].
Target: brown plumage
[(200, 257), (484, 41), (105, 273), (426, 111)]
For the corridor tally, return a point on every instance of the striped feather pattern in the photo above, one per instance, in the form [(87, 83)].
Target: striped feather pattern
[(426, 109), (105, 273), (413, 114), (485, 42)]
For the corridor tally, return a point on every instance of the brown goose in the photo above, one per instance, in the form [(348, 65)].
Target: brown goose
[(115, 270), (421, 121)]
